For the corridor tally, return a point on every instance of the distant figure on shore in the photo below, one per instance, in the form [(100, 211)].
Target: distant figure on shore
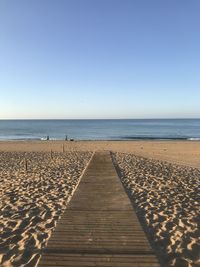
[(66, 138), (47, 137)]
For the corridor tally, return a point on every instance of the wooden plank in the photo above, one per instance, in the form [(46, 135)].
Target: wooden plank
[(99, 226), (100, 260)]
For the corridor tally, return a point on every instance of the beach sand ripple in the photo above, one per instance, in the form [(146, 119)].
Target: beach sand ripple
[(167, 200), (32, 200)]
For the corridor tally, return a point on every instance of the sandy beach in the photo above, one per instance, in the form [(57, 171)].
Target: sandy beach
[(99, 98), (180, 152), (39, 178), (32, 200), (166, 198)]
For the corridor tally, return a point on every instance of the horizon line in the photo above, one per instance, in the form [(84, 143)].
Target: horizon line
[(156, 118)]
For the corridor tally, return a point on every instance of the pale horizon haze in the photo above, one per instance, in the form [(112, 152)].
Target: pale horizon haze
[(102, 59)]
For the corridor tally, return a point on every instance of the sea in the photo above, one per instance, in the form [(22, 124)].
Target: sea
[(118, 129)]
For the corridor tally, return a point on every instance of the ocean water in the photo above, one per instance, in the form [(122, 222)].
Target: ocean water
[(152, 129)]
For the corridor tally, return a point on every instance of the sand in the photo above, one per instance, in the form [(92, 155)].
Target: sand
[(167, 200), (32, 201), (162, 178), (181, 152)]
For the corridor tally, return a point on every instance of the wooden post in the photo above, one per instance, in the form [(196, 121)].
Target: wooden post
[(25, 164), (63, 148), (51, 154)]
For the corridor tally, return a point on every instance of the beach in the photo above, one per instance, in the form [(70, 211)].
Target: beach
[(99, 133), (35, 189), (38, 178), (166, 199), (180, 152)]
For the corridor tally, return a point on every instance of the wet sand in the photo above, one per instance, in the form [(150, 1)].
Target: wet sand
[(166, 195)]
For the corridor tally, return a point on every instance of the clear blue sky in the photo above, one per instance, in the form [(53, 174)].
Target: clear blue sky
[(99, 58)]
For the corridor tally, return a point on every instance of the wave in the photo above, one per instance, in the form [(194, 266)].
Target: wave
[(159, 138), (112, 138), (20, 139)]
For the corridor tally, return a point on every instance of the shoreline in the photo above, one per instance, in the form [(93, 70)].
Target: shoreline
[(128, 139)]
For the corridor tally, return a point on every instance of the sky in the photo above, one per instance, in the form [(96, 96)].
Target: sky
[(97, 59)]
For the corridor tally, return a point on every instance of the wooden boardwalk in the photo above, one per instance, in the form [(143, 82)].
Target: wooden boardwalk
[(99, 226)]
